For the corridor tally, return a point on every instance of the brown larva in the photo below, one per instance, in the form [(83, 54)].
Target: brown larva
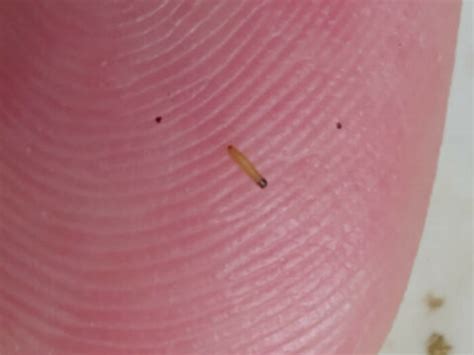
[(247, 166)]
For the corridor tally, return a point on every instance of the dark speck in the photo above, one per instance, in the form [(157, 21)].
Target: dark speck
[(339, 125), (434, 302), (158, 119), (437, 345)]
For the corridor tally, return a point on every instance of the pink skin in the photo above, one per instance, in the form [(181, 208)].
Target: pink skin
[(120, 235)]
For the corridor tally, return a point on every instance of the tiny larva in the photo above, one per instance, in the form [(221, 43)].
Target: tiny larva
[(247, 166)]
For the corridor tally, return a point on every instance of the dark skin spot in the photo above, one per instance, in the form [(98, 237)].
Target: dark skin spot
[(339, 125), (158, 119)]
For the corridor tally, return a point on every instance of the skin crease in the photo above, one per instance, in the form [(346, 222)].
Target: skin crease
[(123, 235)]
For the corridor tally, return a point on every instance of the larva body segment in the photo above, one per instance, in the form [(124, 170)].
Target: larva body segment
[(246, 166)]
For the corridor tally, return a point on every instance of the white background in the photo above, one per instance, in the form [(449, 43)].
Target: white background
[(443, 266)]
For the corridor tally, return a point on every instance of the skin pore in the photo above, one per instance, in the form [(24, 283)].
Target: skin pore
[(124, 234)]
